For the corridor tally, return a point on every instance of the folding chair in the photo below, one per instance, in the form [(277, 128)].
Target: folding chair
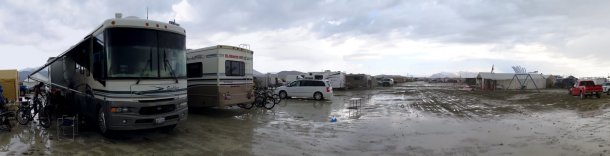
[(66, 123)]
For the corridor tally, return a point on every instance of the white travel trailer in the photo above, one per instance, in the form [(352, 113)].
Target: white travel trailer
[(220, 76), (127, 74), (291, 78), (336, 78)]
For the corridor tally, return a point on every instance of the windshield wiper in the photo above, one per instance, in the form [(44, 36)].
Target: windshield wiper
[(167, 64), (148, 63)]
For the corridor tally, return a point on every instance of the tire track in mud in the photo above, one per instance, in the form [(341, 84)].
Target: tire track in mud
[(443, 104)]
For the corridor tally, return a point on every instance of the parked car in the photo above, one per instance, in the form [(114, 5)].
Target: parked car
[(606, 86), (317, 89), (585, 88), (386, 82)]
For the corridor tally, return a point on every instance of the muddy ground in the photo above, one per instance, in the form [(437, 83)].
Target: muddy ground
[(408, 119)]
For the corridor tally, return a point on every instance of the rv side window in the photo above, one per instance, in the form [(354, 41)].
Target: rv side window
[(98, 58), (318, 77), (194, 69), (235, 68)]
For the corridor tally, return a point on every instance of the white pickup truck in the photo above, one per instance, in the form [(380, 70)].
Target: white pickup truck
[(606, 86)]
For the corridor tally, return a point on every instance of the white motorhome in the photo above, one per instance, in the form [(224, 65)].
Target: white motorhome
[(127, 74), (292, 78), (336, 78), (220, 76)]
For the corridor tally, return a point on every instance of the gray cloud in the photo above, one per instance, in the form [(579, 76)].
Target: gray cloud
[(569, 28)]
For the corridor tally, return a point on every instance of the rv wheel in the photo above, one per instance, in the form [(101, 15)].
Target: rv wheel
[(102, 123), (168, 129), (246, 105)]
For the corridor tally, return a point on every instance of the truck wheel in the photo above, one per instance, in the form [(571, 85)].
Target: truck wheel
[(582, 96), (598, 95)]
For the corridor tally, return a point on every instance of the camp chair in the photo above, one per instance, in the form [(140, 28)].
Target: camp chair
[(66, 123)]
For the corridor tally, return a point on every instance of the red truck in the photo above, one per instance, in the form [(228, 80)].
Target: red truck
[(585, 88)]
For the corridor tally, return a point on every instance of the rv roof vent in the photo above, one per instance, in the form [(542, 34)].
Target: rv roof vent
[(118, 15)]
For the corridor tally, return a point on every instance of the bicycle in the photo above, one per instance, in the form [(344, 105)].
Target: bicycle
[(264, 98), (38, 104)]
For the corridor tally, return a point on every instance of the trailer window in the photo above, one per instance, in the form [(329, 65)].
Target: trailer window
[(235, 68), (319, 77), (194, 69)]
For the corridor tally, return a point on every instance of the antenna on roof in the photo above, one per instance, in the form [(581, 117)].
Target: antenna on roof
[(146, 12)]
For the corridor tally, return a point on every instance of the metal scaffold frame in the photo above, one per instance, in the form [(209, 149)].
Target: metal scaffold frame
[(523, 84)]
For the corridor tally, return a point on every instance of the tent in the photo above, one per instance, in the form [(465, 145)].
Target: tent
[(493, 81)]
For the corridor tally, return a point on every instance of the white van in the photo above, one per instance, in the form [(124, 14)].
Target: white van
[(318, 89)]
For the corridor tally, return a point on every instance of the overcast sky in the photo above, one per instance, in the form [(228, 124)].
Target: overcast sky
[(375, 37)]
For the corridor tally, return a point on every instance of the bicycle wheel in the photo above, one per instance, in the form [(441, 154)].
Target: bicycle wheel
[(276, 99), (23, 116), (269, 103)]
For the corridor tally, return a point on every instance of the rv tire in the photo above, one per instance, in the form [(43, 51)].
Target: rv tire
[(247, 105), (102, 123), (168, 129)]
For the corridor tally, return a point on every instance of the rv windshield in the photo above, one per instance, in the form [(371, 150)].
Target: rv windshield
[(145, 53)]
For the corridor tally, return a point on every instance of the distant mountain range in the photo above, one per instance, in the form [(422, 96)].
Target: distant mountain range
[(24, 73), (281, 74), (461, 74), (256, 73), (444, 75)]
